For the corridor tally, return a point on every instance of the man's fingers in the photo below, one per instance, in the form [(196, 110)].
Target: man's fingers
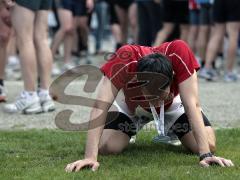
[(72, 167), (67, 169), (203, 164), (232, 164), (95, 166), (227, 162), (216, 160), (79, 167)]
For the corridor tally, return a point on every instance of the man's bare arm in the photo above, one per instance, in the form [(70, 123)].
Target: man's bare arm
[(107, 93), (189, 95)]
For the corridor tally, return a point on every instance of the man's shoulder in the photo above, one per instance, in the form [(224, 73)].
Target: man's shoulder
[(175, 46)]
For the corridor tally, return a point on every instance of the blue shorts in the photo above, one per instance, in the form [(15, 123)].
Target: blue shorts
[(35, 5), (194, 17)]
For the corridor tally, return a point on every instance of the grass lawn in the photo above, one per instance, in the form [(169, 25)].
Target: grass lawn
[(44, 154)]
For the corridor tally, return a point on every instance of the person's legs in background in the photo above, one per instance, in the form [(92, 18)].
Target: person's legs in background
[(233, 34), (133, 21), (26, 18), (213, 47), (23, 22), (65, 33), (206, 32), (82, 23), (13, 62), (193, 31), (44, 59), (226, 16), (164, 33), (115, 26), (5, 31), (122, 14), (175, 12), (232, 27), (101, 12)]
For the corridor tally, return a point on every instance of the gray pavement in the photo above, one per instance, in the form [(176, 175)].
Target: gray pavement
[(220, 101)]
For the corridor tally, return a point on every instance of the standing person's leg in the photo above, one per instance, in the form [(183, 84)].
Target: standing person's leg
[(133, 20), (193, 31), (213, 45), (23, 17), (23, 20), (114, 23), (202, 41), (13, 60), (181, 13), (122, 15), (101, 11), (44, 59), (5, 32), (164, 33), (82, 22), (233, 34), (168, 22), (66, 30), (44, 55), (184, 29), (220, 18), (233, 26)]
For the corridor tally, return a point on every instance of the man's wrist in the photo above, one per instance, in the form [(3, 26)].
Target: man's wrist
[(203, 156), (90, 156)]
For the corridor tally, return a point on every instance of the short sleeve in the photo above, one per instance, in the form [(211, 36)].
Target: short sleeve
[(117, 67), (183, 60)]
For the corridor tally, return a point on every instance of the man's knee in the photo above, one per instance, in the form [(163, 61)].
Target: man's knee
[(107, 149)]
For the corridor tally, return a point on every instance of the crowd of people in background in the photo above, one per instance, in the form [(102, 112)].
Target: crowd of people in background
[(210, 27)]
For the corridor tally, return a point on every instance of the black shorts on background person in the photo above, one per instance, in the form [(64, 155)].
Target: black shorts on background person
[(36, 4)]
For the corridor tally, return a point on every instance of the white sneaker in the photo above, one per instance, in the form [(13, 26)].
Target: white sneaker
[(47, 103), (230, 77), (68, 66), (14, 63), (2, 94), (24, 104), (55, 70), (208, 74)]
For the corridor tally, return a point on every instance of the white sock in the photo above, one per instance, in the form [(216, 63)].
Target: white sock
[(43, 92), (30, 94)]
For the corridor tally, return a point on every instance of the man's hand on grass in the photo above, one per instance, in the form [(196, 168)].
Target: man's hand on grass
[(78, 165), (208, 161)]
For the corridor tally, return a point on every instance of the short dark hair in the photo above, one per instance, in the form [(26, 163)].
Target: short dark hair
[(156, 63)]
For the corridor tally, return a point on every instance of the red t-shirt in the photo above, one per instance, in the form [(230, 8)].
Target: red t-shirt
[(121, 68)]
